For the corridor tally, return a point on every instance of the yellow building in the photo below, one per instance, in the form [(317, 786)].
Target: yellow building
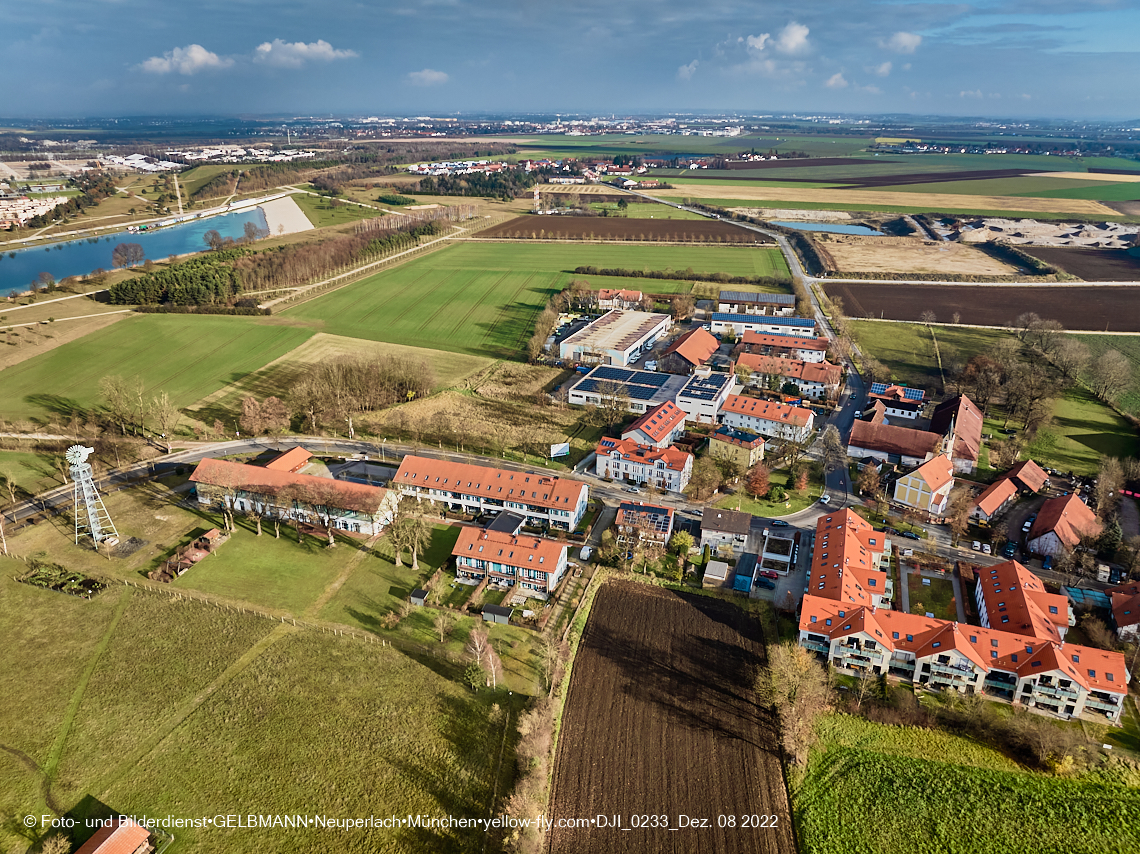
[(743, 446)]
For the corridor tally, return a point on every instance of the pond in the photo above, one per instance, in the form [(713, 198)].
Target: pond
[(833, 227), (18, 268)]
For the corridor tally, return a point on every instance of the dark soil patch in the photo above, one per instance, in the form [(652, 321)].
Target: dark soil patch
[(662, 720), (1079, 307), (128, 547), (620, 228), (1092, 265)]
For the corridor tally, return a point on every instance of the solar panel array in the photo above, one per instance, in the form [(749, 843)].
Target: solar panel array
[(764, 320), (908, 393), (771, 299), (705, 388), (639, 385)]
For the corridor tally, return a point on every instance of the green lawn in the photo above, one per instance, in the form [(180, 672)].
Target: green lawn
[(797, 500), (188, 357), (645, 210), (874, 788), (30, 472), (964, 210), (321, 212), (1042, 187), (1129, 345), (906, 348), (482, 299), (1083, 431), (194, 179), (279, 574), (936, 598)]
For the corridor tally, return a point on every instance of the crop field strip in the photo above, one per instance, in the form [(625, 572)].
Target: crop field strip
[(619, 228), (1087, 308), (661, 719), (1092, 265)]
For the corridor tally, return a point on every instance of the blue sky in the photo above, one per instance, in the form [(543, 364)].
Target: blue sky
[(1033, 58)]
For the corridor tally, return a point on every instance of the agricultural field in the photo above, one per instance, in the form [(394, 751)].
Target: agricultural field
[(853, 253), (881, 199), (621, 228), (1092, 265), (1081, 307), (161, 707), (1026, 186), (645, 210), (872, 787), (661, 719), (189, 357)]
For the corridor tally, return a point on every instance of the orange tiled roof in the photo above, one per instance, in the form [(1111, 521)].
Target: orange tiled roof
[(765, 339), (1029, 474), (937, 472), (967, 422), (889, 439), (846, 552), (996, 494), (645, 454), (538, 489), (1012, 591), (535, 553), (290, 461), (824, 373), (658, 422), (767, 409), (695, 347), (265, 481), (1125, 604), (1066, 516), (122, 837)]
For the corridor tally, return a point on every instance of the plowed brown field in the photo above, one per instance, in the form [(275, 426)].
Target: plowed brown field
[(662, 728), (620, 228)]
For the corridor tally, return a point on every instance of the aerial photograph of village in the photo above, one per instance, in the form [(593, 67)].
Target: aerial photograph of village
[(472, 427)]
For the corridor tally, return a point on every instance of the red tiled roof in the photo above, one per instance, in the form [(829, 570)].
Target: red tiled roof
[(846, 552), (535, 553), (1066, 516), (264, 481), (961, 413), (623, 294), (767, 409), (122, 837), (1125, 604), (996, 494), (645, 454), (1029, 475), (765, 339), (658, 422), (824, 373), (1010, 590), (889, 439), (895, 393), (695, 347), (537, 489), (290, 461), (937, 472)]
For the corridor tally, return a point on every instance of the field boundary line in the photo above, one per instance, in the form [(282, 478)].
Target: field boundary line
[(52, 764), (188, 708), (350, 567), (998, 328)]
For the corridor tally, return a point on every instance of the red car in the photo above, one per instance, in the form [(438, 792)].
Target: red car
[(769, 573)]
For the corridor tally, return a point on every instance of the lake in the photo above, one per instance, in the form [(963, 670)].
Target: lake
[(78, 257), (834, 227)]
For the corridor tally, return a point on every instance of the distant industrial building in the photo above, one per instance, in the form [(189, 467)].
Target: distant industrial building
[(616, 338)]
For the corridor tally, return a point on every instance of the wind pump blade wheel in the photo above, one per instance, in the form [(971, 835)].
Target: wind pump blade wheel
[(91, 516)]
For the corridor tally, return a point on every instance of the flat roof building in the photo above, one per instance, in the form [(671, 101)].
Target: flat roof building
[(704, 395), (645, 389), (738, 324), (616, 338)]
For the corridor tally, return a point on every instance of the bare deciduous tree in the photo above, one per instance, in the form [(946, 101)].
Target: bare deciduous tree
[(795, 685)]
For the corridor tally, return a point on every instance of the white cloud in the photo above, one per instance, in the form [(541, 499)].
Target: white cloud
[(972, 93), (185, 60), (884, 69), (870, 90), (686, 72), (285, 54), (428, 77), (903, 42), (793, 38), (836, 81), (758, 42)]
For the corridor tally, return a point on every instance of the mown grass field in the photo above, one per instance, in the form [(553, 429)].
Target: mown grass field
[(1129, 345), (874, 788), (163, 707), (1083, 430), (187, 357), (321, 212), (29, 471), (481, 299), (907, 350)]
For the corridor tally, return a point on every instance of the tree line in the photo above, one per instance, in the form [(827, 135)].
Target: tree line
[(203, 280)]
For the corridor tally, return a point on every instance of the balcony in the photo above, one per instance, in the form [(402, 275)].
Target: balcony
[(855, 658), (1093, 703), (816, 646), (949, 670), (1055, 691)]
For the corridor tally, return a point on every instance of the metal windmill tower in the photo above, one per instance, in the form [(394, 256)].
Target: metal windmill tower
[(91, 516)]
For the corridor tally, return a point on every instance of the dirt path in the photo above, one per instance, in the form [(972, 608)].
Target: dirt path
[(187, 709)]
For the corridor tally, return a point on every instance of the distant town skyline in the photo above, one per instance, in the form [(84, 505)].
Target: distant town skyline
[(1001, 58)]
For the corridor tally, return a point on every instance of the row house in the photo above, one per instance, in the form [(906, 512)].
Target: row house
[(1011, 598), (768, 418), (663, 468), (785, 346), (1052, 676), (725, 323), (847, 561), (542, 500), (534, 564), (815, 380), (742, 302)]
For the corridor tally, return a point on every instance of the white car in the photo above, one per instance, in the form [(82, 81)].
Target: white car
[(986, 548), (825, 499), (977, 546)]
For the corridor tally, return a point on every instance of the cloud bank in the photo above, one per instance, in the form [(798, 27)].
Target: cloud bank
[(185, 60), (283, 54)]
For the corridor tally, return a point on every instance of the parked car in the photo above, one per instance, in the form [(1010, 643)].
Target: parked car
[(632, 490), (858, 413), (976, 546), (765, 583), (1008, 550), (1029, 524), (825, 499), (911, 535), (769, 573), (779, 523), (585, 553), (986, 549)]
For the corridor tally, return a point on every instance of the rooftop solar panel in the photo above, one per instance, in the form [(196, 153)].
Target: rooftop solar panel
[(744, 296), (705, 388), (908, 393), (764, 319)]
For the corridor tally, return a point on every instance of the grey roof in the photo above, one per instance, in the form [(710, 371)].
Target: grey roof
[(498, 611), (767, 320), (726, 521), (705, 388), (506, 522)]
